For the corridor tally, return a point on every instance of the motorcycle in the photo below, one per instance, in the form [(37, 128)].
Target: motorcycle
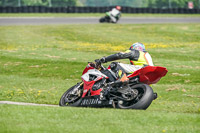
[(107, 18), (101, 87)]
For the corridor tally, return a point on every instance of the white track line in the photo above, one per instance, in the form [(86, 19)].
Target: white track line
[(31, 104)]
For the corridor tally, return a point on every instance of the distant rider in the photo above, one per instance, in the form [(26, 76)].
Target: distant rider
[(115, 14), (137, 55)]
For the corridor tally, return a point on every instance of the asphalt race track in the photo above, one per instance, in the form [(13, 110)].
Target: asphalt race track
[(93, 20)]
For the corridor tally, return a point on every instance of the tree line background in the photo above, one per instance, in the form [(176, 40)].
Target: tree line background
[(128, 3)]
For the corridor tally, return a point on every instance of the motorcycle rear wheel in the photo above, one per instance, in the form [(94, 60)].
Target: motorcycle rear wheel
[(66, 101), (143, 100)]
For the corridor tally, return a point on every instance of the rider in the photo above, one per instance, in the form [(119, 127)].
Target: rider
[(137, 55), (115, 14)]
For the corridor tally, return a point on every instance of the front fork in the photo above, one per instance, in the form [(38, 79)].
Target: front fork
[(79, 90)]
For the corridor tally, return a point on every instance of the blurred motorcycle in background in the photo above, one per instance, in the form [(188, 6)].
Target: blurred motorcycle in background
[(111, 16)]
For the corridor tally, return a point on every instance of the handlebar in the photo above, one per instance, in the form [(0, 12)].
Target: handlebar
[(97, 64)]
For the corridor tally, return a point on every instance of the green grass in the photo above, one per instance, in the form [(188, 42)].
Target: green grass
[(92, 15), (39, 63), (85, 120)]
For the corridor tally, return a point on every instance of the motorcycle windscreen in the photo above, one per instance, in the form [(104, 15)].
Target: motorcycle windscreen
[(150, 74)]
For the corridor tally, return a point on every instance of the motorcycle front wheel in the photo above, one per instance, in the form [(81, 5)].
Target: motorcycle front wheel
[(101, 20), (142, 101), (71, 96)]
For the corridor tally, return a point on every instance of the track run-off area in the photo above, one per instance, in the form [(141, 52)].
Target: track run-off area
[(93, 20)]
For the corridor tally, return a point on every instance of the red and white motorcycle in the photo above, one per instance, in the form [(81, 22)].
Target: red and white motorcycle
[(101, 87)]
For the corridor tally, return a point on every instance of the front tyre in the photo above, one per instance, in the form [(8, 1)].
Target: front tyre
[(101, 20), (144, 98), (71, 96)]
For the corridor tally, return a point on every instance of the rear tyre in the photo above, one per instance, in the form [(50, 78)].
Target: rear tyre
[(142, 101), (69, 98)]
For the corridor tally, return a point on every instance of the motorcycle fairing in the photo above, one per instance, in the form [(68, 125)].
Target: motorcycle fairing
[(88, 84), (93, 72), (107, 13), (88, 87), (88, 67), (150, 74)]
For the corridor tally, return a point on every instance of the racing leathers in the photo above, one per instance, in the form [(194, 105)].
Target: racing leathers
[(138, 59), (114, 15)]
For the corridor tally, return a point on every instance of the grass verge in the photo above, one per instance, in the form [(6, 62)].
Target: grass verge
[(88, 120)]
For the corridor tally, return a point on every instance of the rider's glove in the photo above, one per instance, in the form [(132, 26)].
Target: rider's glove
[(103, 60), (99, 61)]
